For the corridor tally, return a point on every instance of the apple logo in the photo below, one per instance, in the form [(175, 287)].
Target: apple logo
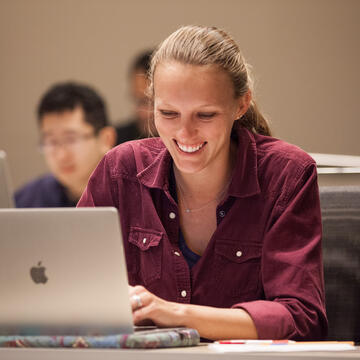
[(38, 274)]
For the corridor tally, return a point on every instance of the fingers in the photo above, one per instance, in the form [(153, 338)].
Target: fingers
[(138, 302), (144, 304), (149, 303), (140, 315), (138, 294), (136, 289), (148, 307)]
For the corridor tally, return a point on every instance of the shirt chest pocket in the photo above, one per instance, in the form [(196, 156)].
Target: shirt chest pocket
[(146, 254), (238, 268)]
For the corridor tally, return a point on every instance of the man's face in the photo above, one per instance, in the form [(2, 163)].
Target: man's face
[(139, 84), (71, 148)]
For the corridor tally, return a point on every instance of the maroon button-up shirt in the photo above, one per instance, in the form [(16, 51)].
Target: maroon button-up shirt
[(265, 255)]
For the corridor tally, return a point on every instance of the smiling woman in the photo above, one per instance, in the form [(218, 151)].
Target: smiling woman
[(221, 222)]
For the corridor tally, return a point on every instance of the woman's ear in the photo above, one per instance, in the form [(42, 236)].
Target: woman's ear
[(107, 137), (244, 102)]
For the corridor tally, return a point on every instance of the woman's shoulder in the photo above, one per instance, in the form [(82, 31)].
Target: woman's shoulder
[(131, 157), (283, 168), (281, 153)]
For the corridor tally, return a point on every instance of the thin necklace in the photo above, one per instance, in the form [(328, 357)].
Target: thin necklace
[(218, 198)]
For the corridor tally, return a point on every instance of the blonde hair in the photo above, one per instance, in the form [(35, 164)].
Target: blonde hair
[(196, 45)]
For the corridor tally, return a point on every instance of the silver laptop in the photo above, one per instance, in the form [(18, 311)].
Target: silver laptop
[(63, 272), (6, 194)]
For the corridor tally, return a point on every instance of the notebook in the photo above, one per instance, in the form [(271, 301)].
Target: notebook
[(6, 194), (63, 282)]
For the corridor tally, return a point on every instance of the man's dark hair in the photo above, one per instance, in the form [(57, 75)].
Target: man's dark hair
[(142, 62), (70, 95)]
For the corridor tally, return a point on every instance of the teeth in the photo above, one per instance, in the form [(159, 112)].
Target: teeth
[(190, 149)]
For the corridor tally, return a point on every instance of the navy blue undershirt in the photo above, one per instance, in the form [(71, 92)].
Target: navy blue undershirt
[(45, 191), (190, 257)]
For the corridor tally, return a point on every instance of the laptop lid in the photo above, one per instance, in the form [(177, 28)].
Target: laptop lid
[(6, 194), (63, 271)]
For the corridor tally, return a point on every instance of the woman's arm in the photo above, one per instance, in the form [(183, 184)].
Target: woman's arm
[(291, 267), (211, 323), (216, 323)]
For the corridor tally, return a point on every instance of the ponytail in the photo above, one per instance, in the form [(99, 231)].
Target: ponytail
[(254, 121)]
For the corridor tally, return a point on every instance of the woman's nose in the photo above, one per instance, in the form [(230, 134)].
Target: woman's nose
[(188, 128)]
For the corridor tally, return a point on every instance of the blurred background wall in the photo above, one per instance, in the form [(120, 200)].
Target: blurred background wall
[(305, 56)]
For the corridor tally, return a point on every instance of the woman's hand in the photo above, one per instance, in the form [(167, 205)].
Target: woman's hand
[(211, 323), (146, 306)]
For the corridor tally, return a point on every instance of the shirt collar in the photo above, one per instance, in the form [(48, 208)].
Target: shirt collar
[(156, 175), (244, 181)]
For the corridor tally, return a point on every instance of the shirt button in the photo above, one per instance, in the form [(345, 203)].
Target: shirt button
[(176, 253), (238, 253), (144, 240), (172, 215), (222, 213), (183, 293)]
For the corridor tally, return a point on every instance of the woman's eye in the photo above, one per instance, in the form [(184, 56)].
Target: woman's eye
[(206, 115), (168, 114)]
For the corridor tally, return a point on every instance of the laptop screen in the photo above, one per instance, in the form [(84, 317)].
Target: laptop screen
[(63, 271)]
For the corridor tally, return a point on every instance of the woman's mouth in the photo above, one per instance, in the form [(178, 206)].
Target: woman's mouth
[(190, 148)]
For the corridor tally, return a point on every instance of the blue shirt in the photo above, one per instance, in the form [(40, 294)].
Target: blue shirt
[(45, 191), (190, 257)]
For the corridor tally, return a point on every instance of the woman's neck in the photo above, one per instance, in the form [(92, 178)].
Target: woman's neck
[(208, 183)]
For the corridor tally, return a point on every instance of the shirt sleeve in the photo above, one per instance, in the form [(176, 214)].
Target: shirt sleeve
[(101, 188), (292, 270)]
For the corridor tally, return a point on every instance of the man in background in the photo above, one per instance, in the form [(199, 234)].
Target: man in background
[(136, 127), (74, 136)]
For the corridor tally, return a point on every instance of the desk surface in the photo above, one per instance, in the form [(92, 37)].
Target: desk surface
[(193, 353)]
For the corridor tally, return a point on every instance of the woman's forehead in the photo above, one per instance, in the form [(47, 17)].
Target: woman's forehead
[(174, 79), (171, 66)]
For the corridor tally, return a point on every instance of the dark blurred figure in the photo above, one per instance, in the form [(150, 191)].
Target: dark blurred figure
[(136, 127), (74, 136)]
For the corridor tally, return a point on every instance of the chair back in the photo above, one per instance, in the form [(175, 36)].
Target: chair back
[(340, 208)]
